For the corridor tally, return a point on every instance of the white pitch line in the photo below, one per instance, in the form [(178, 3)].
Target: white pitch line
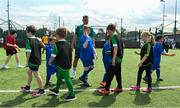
[(92, 90)]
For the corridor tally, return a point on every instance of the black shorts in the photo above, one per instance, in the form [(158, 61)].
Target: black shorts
[(34, 68), (11, 52), (77, 53)]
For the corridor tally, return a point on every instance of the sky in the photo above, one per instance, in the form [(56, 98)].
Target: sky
[(135, 13)]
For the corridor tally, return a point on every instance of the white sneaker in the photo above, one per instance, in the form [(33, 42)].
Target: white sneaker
[(4, 67), (20, 66)]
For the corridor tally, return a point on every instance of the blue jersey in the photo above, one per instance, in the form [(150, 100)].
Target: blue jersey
[(49, 49), (79, 33), (88, 52), (106, 57), (157, 52)]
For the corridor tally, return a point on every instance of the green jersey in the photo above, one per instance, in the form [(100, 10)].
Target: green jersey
[(33, 46), (117, 42)]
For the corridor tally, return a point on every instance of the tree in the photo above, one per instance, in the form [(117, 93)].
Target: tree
[(69, 36), (124, 32), (41, 32), (1, 32)]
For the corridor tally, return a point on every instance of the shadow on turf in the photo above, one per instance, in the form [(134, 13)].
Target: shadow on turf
[(156, 84), (54, 101), (141, 98), (106, 100), (17, 101), (7, 70)]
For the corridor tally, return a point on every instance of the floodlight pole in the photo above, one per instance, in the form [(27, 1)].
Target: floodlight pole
[(121, 25), (163, 16), (59, 21), (175, 27), (8, 16), (63, 23), (54, 26)]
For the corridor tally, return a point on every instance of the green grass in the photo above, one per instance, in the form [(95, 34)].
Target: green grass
[(13, 79)]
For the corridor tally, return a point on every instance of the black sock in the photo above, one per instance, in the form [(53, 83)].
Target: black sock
[(27, 87), (41, 90)]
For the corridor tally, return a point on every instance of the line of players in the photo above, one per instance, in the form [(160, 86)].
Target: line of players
[(59, 58)]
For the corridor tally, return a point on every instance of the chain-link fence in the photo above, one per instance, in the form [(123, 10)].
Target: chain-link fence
[(131, 35)]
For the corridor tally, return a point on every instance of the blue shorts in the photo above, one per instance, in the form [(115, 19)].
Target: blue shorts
[(87, 63), (51, 69), (155, 66), (106, 65), (77, 53), (34, 68)]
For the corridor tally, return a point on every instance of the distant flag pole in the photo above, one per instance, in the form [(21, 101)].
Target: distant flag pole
[(59, 21), (163, 16), (63, 23), (8, 16)]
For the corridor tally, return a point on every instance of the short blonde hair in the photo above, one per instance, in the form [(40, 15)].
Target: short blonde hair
[(86, 27)]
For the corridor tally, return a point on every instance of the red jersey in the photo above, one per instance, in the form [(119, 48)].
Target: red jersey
[(11, 40)]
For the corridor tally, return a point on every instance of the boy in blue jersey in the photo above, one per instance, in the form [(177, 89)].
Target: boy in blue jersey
[(87, 54), (50, 69), (157, 52), (76, 42), (107, 59)]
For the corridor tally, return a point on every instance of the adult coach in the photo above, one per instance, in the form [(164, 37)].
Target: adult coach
[(76, 42), (11, 49)]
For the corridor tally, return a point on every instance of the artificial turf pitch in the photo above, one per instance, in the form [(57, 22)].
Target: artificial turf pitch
[(13, 79)]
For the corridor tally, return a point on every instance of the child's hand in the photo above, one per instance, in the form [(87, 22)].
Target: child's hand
[(86, 37), (72, 47), (108, 52), (113, 63), (15, 46), (39, 39)]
